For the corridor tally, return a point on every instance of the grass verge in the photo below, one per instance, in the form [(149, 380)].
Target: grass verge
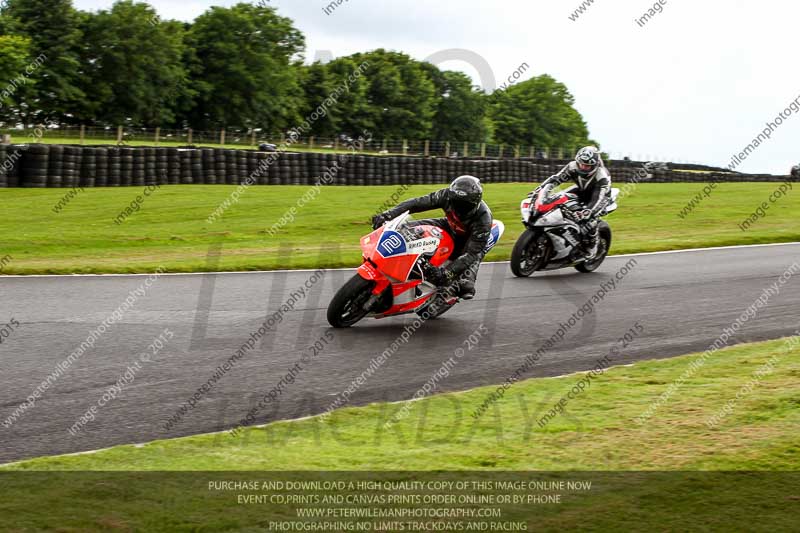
[(596, 432), (171, 229), (679, 486)]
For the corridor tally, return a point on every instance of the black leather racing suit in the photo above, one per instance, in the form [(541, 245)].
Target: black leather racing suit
[(471, 232), (593, 191)]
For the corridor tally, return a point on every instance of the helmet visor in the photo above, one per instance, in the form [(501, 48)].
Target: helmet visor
[(465, 205)]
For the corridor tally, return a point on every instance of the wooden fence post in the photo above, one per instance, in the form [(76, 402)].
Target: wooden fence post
[(189, 140), (222, 137), (158, 135), (427, 149), (483, 149), (253, 138), (500, 155), (465, 152), (83, 133), (405, 147), (119, 134), (447, 149)]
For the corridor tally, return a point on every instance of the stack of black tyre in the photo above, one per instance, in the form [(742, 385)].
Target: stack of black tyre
[(55, 167), (242, 166), (219, 165), (173, 166), (71, 166), (87, 175), (231, 167), (209, 166), (114, 167), (161, 162), (185, 157), (126, 166), (35, 166)]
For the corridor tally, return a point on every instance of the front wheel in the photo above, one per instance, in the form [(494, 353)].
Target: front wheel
[(347, 306), (529, 254)]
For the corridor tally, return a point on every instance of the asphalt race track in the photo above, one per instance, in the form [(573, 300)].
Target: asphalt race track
[(682, 300)]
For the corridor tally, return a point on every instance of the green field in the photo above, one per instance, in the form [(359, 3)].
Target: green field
[(171, 229), (598, 432)]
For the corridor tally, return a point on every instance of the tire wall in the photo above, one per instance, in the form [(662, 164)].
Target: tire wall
[(45, 165)]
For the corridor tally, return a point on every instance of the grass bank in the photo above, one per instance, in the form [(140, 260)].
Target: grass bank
[(170, 228)]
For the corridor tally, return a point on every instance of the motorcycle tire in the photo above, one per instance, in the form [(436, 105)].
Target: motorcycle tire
[(522, 264), (347, 306)]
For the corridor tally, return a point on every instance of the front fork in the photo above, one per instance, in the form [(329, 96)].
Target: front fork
[(368, 271)]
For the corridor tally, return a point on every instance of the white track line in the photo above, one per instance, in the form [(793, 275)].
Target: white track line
[(686, 250)]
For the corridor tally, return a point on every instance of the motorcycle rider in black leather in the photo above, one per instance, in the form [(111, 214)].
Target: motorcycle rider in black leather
[(467, 219), (592, 187)]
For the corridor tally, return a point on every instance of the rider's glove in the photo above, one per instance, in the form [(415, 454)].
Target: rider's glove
[(379, 219), (585, 215)]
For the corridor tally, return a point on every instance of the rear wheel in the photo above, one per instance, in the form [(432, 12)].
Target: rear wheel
[(603, 245), (347, 306), (529, 254)]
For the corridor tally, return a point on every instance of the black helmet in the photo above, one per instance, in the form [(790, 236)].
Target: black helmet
[(465, 195), (588, 160)]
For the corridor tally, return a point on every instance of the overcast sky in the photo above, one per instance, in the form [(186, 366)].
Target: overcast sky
[(697, 83)]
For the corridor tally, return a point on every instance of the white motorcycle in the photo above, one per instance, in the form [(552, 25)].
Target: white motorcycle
[(553, 236)]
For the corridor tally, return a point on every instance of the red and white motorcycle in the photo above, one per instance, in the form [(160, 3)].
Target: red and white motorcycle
[(553, 235), (391, 281)]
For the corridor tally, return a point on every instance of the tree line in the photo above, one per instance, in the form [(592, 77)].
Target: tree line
[(242, 67)]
